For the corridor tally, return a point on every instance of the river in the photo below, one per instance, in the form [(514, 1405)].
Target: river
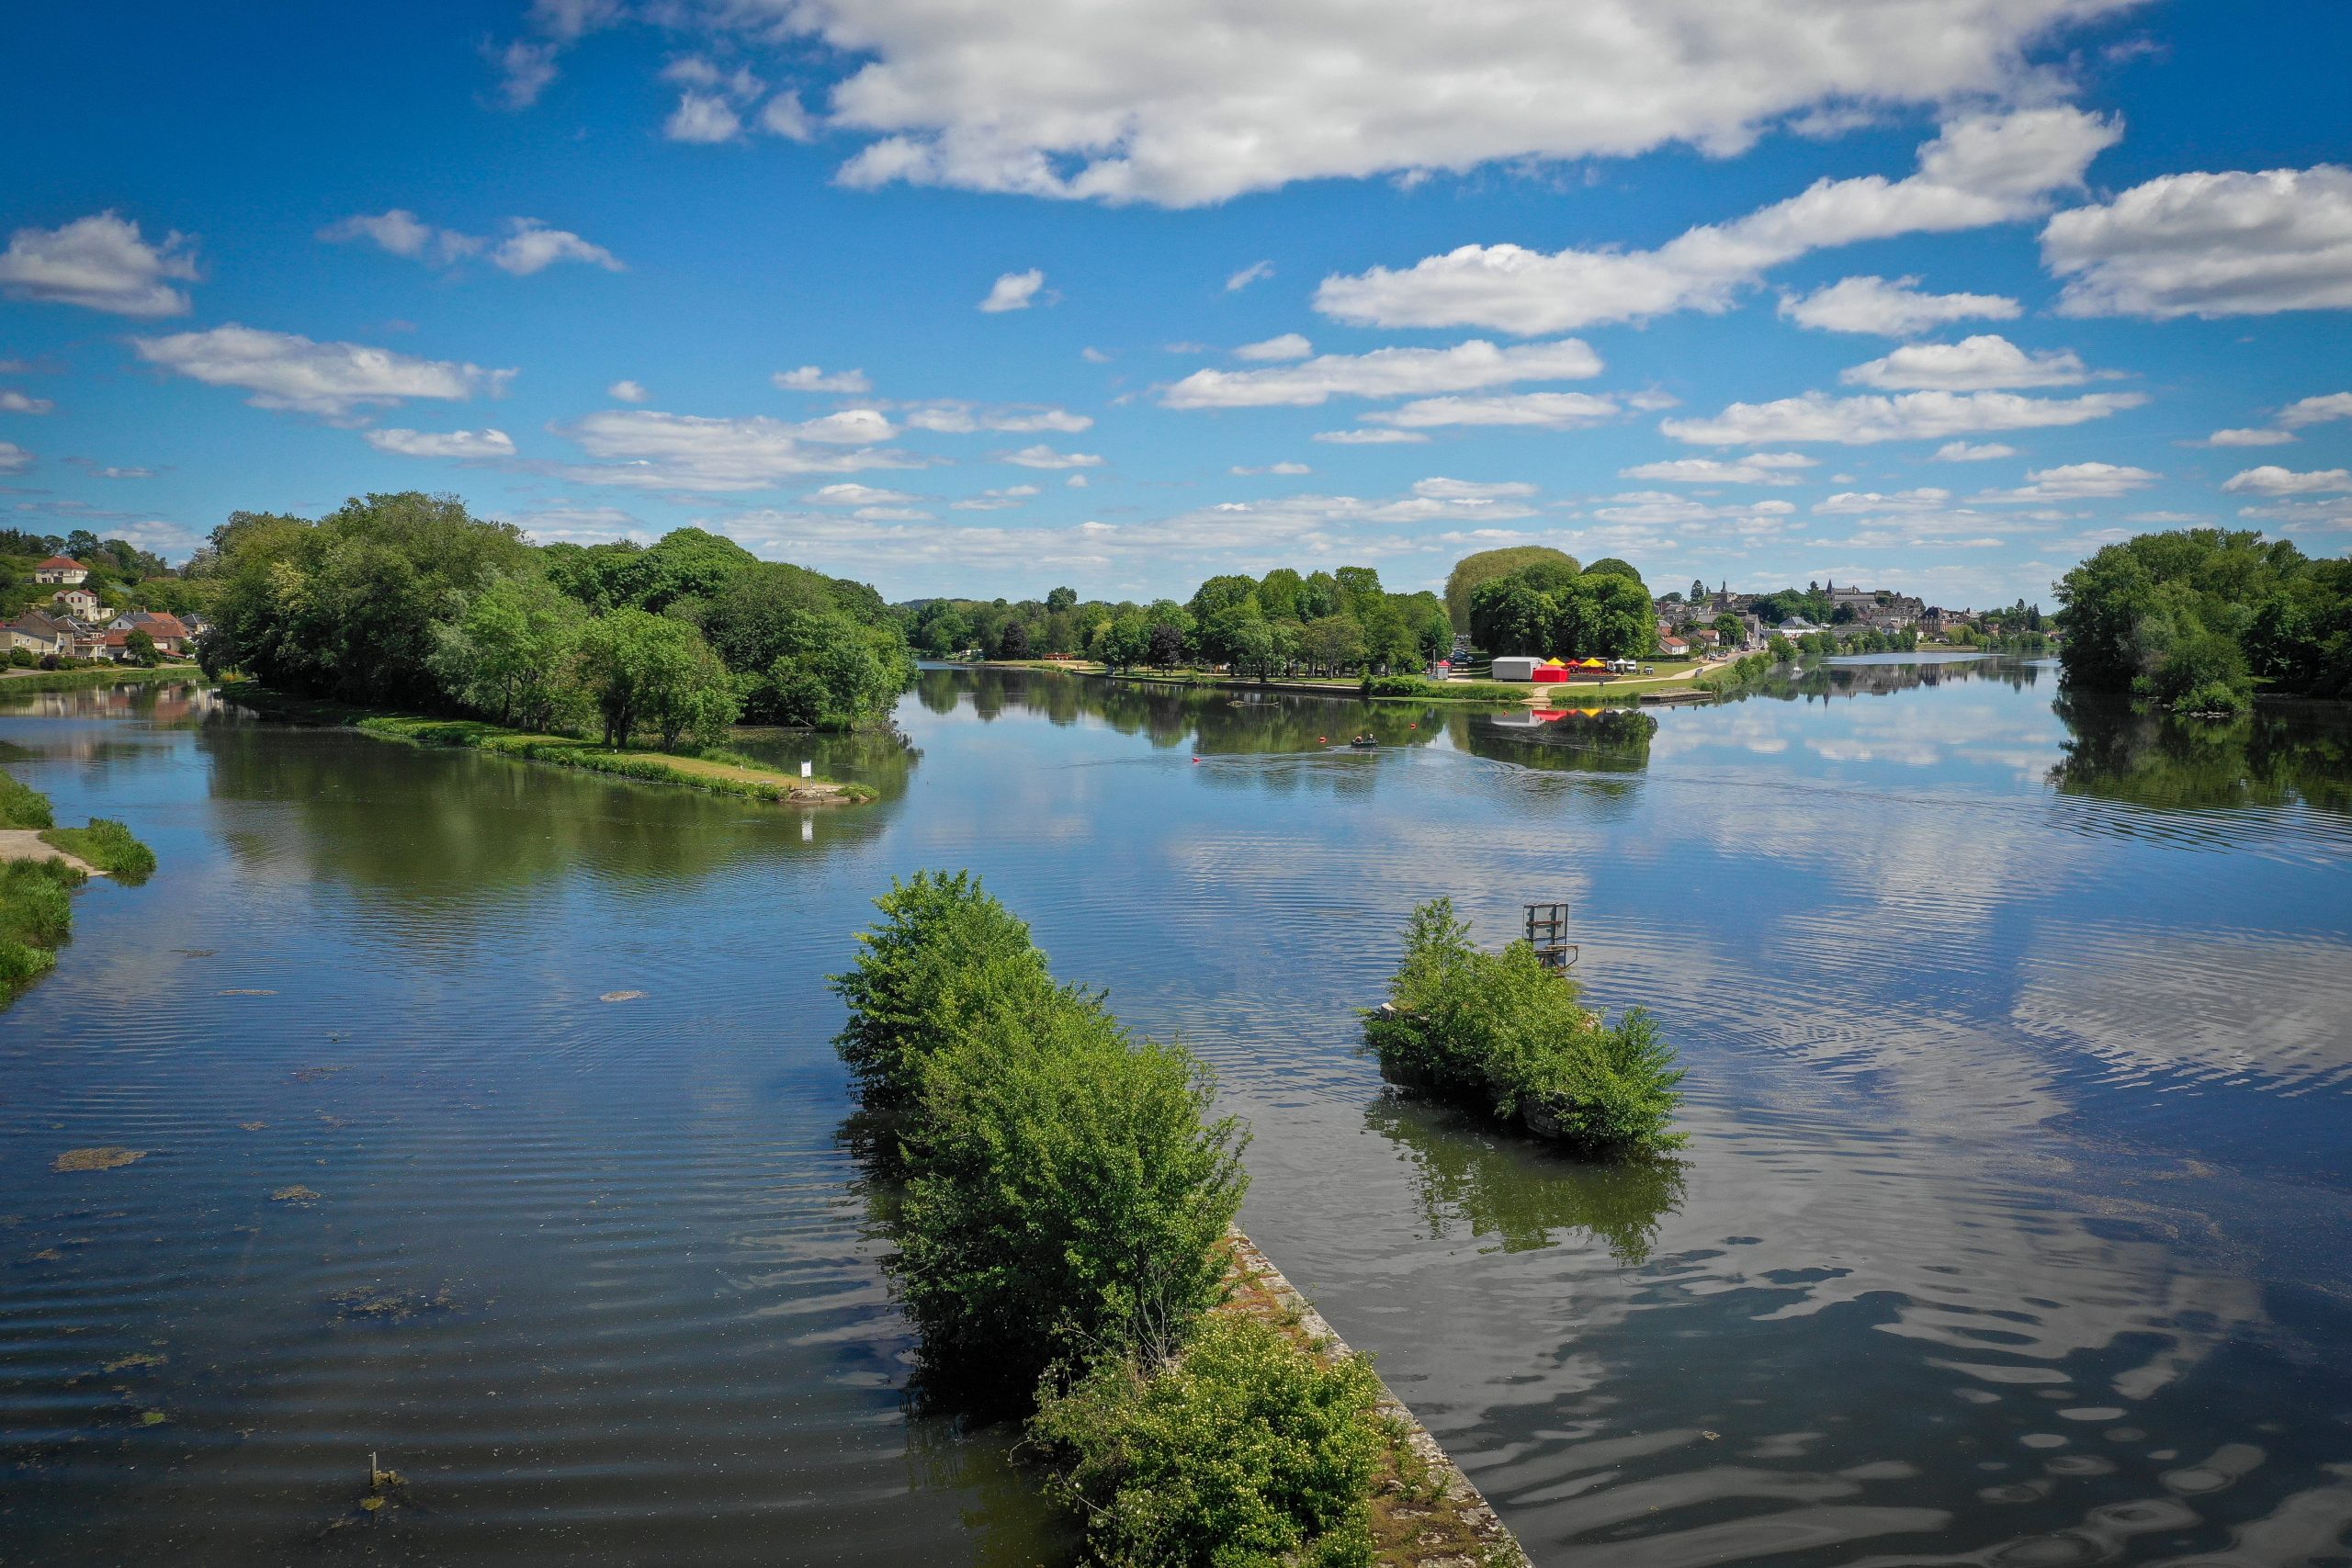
[(491, 1127)]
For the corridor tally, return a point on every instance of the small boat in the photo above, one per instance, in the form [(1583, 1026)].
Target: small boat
[(1364, 742)]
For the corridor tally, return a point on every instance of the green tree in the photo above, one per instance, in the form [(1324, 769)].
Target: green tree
[(1278, 594), (1486, 566), (1332, 644), (828, 673), (1061, 599), (1219, 594), (141, 648), (644, 669), (508, 652)]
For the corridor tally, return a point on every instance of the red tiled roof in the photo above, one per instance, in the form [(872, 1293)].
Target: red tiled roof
[(66, 561)]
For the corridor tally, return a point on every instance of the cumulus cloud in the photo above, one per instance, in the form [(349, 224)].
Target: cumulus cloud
[(99, 262), (814, 378), (1014, 291), (1248, 274), (13, 401), (996, 500), (1368, 437), (13, 460), (704, 118), (1386, 373), (1756, 468), (1973, 364), (1044, 457), (650, 450), (1438, 489), (1895, 309), (628, 391), (442, 442), (1545, 411), (848, 494), (283, 370), (2198, 244), (2249, 438), (2272, 479), (1909, 417), (2076, 481), (1161, 101), (1926, 498), (2316, 411), (529, 246), (1980, 170), (1973, 451), (1270, 469), (950, 416), (1290, 346)]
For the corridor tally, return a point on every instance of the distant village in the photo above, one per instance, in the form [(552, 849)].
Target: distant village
[(76, 626), (1694, 624)]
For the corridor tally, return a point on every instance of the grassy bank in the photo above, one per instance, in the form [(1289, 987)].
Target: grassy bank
[(720, 772), (41, 865), (104, 675)]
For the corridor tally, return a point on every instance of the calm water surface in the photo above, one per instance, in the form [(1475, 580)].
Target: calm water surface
[(2015, 1227)]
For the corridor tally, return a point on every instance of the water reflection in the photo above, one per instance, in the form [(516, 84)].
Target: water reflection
[(2278, 755), (1520, 1196)]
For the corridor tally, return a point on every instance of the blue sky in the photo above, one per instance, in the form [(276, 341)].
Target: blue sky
[(1936, 293)]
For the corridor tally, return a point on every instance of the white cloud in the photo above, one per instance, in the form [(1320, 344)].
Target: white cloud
[(950, 416), (2076, 481), (696, 71), (2249, 438), (2272, 479), (13, 460), (1014, 291), (1248, 274), (1987, 169), (1076, 481), (852, 494), (1756, 468), (99, 262), (1545, 410), (13, 401), (1891, 310), (1164, 101), (1470, 490), (703, 118), (996, 500), (649, 450), (442, 442), (785, 116), (1909, 417), (2198, 244), (628, 391), (1045, 456), (1870, 503), (530, 246), (1973, 364), (283, 370), (1976, 452), (524, 69), (1093, 356), (1272, 468), (1368, 437), (813, 379), (1386, 373), (2317, 411), (1290, 346)]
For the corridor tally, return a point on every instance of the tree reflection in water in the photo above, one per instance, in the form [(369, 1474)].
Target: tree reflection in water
[(2280, 754), (1465, 1174)]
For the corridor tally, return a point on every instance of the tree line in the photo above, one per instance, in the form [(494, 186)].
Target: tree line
[(1285, 622), (407, 601), (1535, 600), (2202, 620)]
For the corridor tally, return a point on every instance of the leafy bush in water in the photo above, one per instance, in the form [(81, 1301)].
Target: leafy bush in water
[(36, 915), (1251, 1451), (1503, 1031), (1066, 1192), (943, 952)]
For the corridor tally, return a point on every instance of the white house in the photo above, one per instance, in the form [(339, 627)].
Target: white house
[(76, 602), (61, 569)]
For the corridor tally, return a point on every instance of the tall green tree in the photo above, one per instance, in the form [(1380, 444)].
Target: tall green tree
[(508, 652)]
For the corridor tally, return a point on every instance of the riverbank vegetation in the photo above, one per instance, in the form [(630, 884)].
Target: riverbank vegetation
[(408, 602), (1063, 1196), (1554, 608), (36, 903), (121, 575), (2202, 620), (1511, 1035), (1283, 625)]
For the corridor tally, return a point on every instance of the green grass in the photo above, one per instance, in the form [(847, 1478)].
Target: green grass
[(106, 845), (720, 772), (111, 674), (36, 915), (21, 805)]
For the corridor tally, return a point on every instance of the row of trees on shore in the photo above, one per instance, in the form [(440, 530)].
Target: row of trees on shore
[(1323, 623), (407, 600)]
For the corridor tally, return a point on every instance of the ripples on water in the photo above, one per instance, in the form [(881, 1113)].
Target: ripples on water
[(2012, 1229)]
